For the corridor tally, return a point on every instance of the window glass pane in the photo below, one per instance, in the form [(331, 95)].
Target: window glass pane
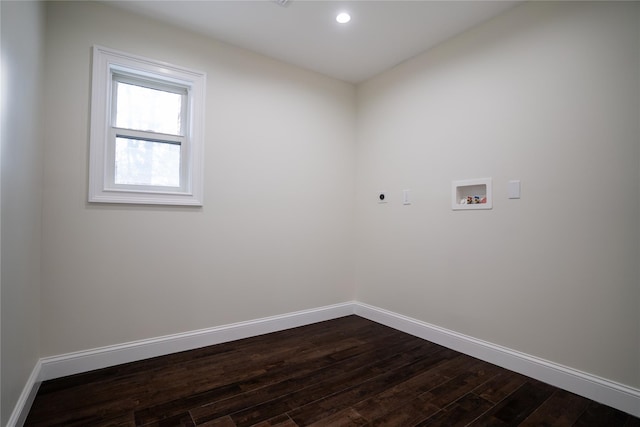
[(140, 162), (147, 109)]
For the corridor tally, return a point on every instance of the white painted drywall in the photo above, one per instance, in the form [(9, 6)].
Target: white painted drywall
[(549, 94), (275, 234), (22, 32)]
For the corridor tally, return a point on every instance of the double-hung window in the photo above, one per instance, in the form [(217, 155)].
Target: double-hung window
[(146, 131)]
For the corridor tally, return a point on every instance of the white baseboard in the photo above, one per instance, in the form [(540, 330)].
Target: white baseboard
[(601, 390), (21, 410), (616, 395), (88, 360)]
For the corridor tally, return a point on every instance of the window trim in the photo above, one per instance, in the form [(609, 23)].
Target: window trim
[(102, 189)]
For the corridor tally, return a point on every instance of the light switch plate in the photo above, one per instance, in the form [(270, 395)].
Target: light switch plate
[(406, 197), (513, 189)]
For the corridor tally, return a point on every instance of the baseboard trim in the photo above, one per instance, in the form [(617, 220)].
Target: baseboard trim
[(28, 395), (601, 390), (84, 361)]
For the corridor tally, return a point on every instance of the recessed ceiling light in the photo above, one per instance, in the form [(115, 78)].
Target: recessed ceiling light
[(343, 18)]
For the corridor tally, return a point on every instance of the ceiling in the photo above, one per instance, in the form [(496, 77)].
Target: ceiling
[(380, 35)]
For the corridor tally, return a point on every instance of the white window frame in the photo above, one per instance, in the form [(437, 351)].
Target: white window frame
[(108, 65)]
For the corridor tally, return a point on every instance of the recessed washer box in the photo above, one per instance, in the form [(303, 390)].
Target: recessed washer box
[(471, 194)]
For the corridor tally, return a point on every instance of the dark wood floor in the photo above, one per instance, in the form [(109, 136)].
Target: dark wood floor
[(343, 372)]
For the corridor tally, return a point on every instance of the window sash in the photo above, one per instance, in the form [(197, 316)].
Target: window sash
[(110, 164), (120, 76)]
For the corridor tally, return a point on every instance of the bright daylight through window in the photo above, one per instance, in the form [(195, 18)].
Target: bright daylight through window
[(146, 131)]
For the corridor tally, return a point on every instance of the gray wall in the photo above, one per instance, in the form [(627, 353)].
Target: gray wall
[(21, 177), (275, 234), (547, 93)]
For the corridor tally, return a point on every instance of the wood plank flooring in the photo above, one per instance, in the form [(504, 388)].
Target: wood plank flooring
[(343, 372)]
